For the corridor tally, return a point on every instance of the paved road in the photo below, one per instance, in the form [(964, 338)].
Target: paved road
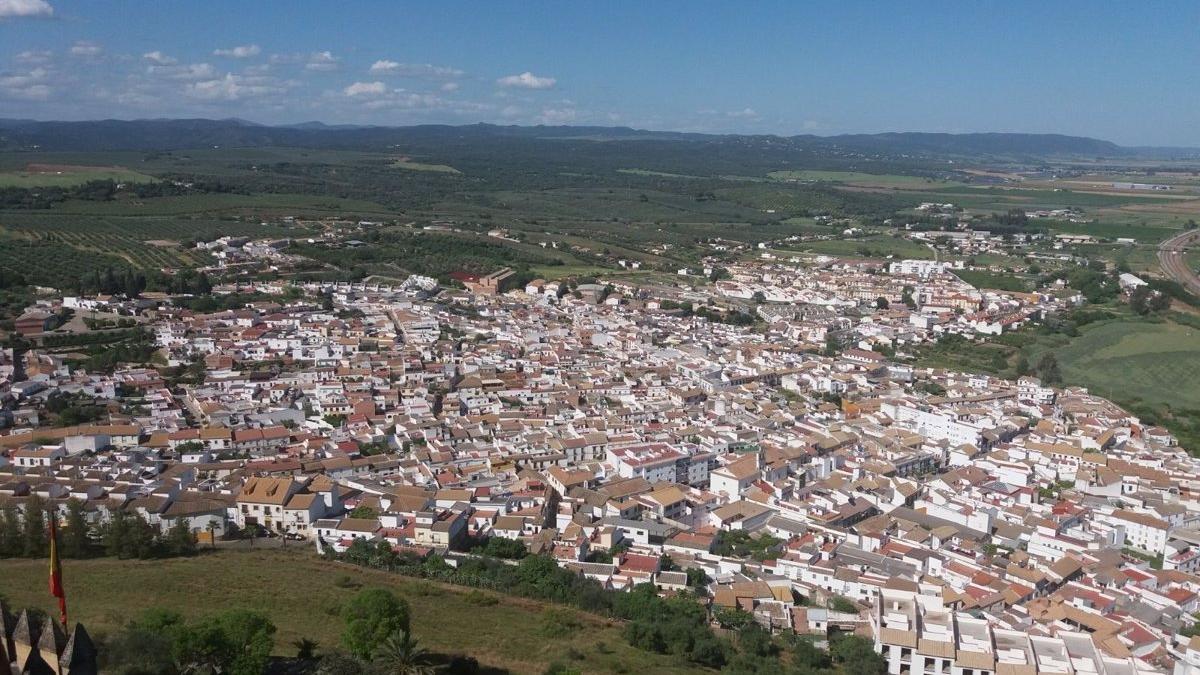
[(1173, 262)]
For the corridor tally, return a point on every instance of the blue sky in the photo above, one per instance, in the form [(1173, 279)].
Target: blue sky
[(1127, 72)]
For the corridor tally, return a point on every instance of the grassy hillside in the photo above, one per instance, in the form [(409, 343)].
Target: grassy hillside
[(1147, 364), (1157, 362), (303, 597)]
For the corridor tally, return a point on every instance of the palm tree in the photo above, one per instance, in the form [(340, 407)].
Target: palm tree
[(400, 654), (305, 649)]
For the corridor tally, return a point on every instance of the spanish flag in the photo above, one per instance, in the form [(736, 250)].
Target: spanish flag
[(56, 585)]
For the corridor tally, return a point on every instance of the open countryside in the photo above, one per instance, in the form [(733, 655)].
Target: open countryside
[(795, 339)]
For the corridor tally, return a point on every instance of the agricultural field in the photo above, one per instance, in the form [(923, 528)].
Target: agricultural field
[(80, 244), (1140, 258), (409, 165), (995, 280), (637, 204), (52, 263), (1003, 198), (1154, 361), (216, 205), (863, 179), (105, 593), (1147, 364), (880, 246), (67, 175), (1150, 234), (660, 174)]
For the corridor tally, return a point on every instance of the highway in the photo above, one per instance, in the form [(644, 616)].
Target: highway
[(1171, 257)]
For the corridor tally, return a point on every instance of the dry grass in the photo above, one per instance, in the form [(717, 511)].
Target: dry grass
[(298, 590)]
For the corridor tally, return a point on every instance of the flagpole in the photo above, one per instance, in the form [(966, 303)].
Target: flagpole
[(56, 584)]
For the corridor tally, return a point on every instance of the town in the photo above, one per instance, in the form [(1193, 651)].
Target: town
[(765, 442)]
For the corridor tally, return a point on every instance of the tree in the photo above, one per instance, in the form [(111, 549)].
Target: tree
[(881, 303), (12, 540), (128, 535), (832, 345), (181, 541), (238, 642), (759, 297), (1145, 300), (138, 649), (34, 528), (400, 654), (371, 617), (250, 636), (503, 547), (754, 639), (807, 658), (708, 651), (211, 528), (840, 603), (732, 618), (1048, 371), (75, 540), (856, 656)]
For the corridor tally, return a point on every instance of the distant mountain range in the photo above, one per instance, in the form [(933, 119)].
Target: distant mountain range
[(178, 134)]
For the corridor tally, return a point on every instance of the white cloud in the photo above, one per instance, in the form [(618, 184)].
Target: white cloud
[(159, 59), (365, 89), (232, 88), (744, 112), (527, 80), (283, 59), (239, 52), (22, 9), (557, 116), (186, 72), (85, 48), (450, 86), (426, 70), (32, 85), (407, 101), (34, 56), (322, 61)]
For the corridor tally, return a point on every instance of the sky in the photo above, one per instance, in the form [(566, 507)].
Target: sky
[(1126, 72)]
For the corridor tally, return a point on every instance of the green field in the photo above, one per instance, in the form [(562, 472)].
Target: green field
[(1037, 199), (1157, 362), (51, 249), (863, 179), (418, 166), (647, 172), (994, 280), (867, 247), (1149, 365), (221, 204), (68, 176), (1109, 230), (297, 590)]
